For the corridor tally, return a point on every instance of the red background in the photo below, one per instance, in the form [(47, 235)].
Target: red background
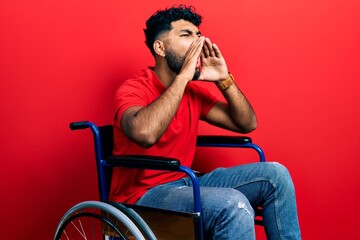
[(61, 61)]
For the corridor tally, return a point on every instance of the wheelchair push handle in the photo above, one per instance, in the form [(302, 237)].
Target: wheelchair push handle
[(79, 125)]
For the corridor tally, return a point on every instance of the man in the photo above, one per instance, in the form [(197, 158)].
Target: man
[(158, 113)]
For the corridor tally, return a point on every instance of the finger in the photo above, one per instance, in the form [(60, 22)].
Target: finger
[(202, 55), (210, 46), (194, 49), (198, 45), (206, 49), (217, 51), (193, 54)]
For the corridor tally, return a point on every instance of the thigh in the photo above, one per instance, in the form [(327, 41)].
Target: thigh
[(256, 181), (178, 196)]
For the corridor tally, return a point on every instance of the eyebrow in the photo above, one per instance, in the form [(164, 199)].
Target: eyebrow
[(190, 32)]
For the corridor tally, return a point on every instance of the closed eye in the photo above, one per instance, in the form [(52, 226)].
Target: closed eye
[(188, 33)]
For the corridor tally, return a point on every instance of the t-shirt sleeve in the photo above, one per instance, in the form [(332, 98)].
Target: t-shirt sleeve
[(128, 95)]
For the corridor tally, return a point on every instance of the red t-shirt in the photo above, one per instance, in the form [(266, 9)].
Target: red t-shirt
[(178, 141)]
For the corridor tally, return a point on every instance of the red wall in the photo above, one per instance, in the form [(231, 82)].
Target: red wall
[(60, 61)]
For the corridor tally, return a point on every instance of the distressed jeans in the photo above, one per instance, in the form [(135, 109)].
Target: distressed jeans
[(228, 197)]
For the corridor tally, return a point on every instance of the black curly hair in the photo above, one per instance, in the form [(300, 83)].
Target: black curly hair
[(161, 21)]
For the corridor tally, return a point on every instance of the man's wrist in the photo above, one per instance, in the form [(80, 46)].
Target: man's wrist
[(225, 84)]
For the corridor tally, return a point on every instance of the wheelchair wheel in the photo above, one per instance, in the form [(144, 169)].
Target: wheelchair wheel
[(96, 220)]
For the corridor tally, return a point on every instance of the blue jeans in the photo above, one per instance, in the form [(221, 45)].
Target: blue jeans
[(228, 197)]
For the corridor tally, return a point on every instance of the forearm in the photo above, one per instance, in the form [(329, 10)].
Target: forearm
[(241, 112), (146, 125)]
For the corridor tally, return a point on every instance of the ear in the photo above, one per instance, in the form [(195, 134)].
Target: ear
[(159, 48)]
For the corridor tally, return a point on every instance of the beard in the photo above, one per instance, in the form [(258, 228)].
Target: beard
[(175, 63)]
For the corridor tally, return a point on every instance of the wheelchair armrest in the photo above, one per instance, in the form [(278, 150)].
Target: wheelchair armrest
[(143, 162), (220, 141), (229, 142)]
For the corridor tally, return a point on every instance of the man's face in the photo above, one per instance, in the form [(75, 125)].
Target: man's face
[(177, 42)]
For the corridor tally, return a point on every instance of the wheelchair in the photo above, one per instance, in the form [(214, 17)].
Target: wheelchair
[(112, 220)]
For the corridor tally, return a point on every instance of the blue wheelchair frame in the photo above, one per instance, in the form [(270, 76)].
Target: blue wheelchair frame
[(158, 163)]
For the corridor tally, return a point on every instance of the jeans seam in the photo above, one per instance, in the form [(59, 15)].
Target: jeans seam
[(276, 203)]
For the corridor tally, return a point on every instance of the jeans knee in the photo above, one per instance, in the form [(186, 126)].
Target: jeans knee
[(281, 176), (229, 216), (279, 168), (235, 203)]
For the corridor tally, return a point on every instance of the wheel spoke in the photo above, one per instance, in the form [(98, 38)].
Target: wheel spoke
[(78, 230)]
